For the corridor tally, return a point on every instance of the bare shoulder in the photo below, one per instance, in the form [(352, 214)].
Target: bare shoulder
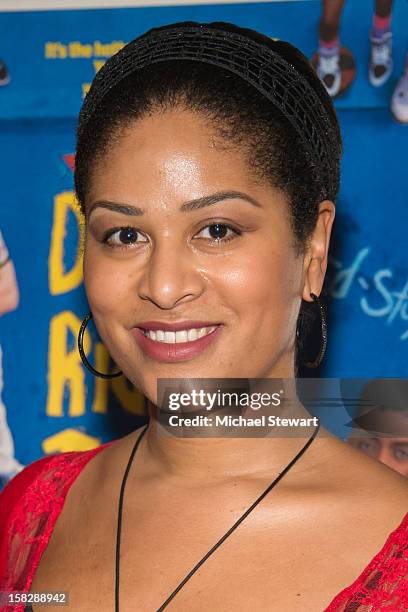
[(104, 473), (371, 488), (87, 509)]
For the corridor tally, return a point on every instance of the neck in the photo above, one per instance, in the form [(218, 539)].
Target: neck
[(216, 454)]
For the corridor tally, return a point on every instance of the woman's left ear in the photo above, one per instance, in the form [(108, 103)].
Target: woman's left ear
[(316, 256)]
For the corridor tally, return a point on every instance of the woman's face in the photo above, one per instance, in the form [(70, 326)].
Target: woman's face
[(180, 231)]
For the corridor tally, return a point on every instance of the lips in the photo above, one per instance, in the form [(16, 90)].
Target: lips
[(180, 351)]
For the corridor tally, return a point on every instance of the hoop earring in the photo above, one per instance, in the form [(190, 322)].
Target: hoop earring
[(82, 353), (319, 358)]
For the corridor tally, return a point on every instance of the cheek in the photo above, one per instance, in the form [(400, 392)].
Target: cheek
[(105, 288), (261, 284)]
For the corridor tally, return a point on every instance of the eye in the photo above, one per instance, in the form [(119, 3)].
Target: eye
[(368, 445), (122, 237), (401, 453), (218, 232)]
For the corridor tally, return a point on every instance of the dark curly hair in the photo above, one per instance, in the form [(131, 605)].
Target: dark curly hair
[(240, 115)]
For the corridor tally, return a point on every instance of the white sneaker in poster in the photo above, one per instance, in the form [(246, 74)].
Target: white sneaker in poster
[(399, 100), (328, 70), (381, 63)]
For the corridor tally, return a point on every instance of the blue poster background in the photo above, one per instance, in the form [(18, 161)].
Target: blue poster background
[(52, 56)]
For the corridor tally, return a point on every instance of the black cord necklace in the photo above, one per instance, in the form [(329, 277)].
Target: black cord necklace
[(220, 541)]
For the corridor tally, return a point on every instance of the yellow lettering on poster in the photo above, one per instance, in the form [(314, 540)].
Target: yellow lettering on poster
[(65, 369), (96, 51), (78, 50), (55, 50), (107, 49), (98, 64), (69, 440), (85, 88), (129, 397), (60, 280)]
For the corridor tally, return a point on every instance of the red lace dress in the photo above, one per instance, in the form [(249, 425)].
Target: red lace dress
[(31, 503)]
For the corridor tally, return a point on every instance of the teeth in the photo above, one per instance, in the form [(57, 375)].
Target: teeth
[(169, 337), (184, 335), (181, 336), (192, 334)]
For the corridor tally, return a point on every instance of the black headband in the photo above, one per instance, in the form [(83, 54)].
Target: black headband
[(258, 64)]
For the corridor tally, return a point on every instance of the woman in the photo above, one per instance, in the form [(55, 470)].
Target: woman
[(207, 168)]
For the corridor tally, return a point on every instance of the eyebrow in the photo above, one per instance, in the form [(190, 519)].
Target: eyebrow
[(135, 211)]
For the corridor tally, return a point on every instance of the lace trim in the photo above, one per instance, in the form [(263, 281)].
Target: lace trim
[(383, 585), (30, 523)]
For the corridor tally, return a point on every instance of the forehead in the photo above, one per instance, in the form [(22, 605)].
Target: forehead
[(175, 153)]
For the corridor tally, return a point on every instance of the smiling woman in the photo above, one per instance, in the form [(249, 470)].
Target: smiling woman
[(207, 169)]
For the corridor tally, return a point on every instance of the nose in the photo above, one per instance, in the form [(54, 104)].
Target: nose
[(171, 276)]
